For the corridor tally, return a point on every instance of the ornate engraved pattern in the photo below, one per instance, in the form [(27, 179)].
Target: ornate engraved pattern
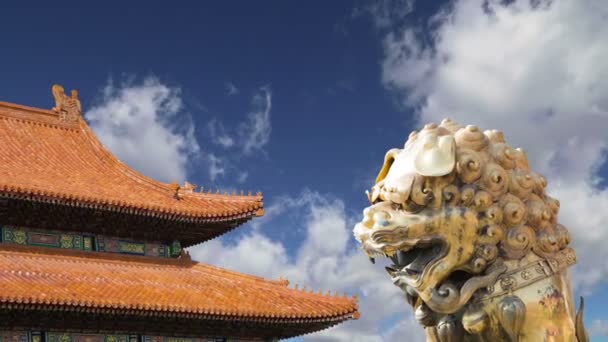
[(20, 237), (13, 336), (42, 239), (87, 243), (75, 241), (132, 247), (67, 241), (531, 273), (552, 301), (76, 337), (508, 283)]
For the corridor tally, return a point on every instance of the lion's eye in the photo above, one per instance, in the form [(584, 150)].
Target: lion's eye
[(411, 207)]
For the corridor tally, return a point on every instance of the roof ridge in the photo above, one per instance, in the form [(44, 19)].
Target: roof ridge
[(146, 261), (133, 260), (62, 162), (15, 264), (52, 118), (238, 274), (103, 151), (166, 189), (47, 117), (228, 197)]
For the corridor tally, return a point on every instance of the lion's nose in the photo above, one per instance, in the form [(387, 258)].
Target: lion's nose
[(368, 222)]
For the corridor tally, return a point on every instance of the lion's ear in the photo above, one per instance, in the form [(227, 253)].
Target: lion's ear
[(388, 161)]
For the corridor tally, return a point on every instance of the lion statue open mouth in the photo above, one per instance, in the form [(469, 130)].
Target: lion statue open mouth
[(473, 238)]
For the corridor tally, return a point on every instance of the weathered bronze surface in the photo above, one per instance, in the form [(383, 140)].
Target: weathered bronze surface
[(474, 238)]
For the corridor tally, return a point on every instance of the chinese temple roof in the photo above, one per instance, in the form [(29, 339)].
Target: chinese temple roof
[(55, 160), (45, 279), (56, 177)]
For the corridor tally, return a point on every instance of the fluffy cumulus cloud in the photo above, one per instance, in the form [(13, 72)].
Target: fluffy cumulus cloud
[(324, 260), (142, 123), (538, 70)]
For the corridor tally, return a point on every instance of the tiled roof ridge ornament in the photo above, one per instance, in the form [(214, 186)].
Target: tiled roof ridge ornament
[(184, 257), (175, 188), (474, 238), (69, 108), (188, 187)]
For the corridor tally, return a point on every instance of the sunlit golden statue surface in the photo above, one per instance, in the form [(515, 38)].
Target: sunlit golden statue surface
[(474, 238)]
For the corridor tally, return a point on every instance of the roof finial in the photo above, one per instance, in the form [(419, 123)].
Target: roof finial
[(68, 107), (174, 186), (184, 256), (189, 187)]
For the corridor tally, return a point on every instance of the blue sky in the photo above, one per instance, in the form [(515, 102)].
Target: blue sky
[(301, 100)]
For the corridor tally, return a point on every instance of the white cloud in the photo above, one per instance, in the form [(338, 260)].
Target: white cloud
[(249, 137), (143, 125), (385, 13), (255, 132), (323, 260), (231, 89), (218, 134), (216, 166), (242, 177), (405, 327), (598, 328), (537, 72)]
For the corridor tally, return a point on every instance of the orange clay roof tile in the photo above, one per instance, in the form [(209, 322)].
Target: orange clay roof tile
[(41, 156), (78, 279)]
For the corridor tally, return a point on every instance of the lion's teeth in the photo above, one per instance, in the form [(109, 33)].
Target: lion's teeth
[(391, 270)]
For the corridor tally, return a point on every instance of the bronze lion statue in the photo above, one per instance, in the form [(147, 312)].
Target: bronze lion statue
[(473, 237)]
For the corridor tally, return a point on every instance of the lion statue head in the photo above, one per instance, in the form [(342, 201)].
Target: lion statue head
[(450, 207)]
